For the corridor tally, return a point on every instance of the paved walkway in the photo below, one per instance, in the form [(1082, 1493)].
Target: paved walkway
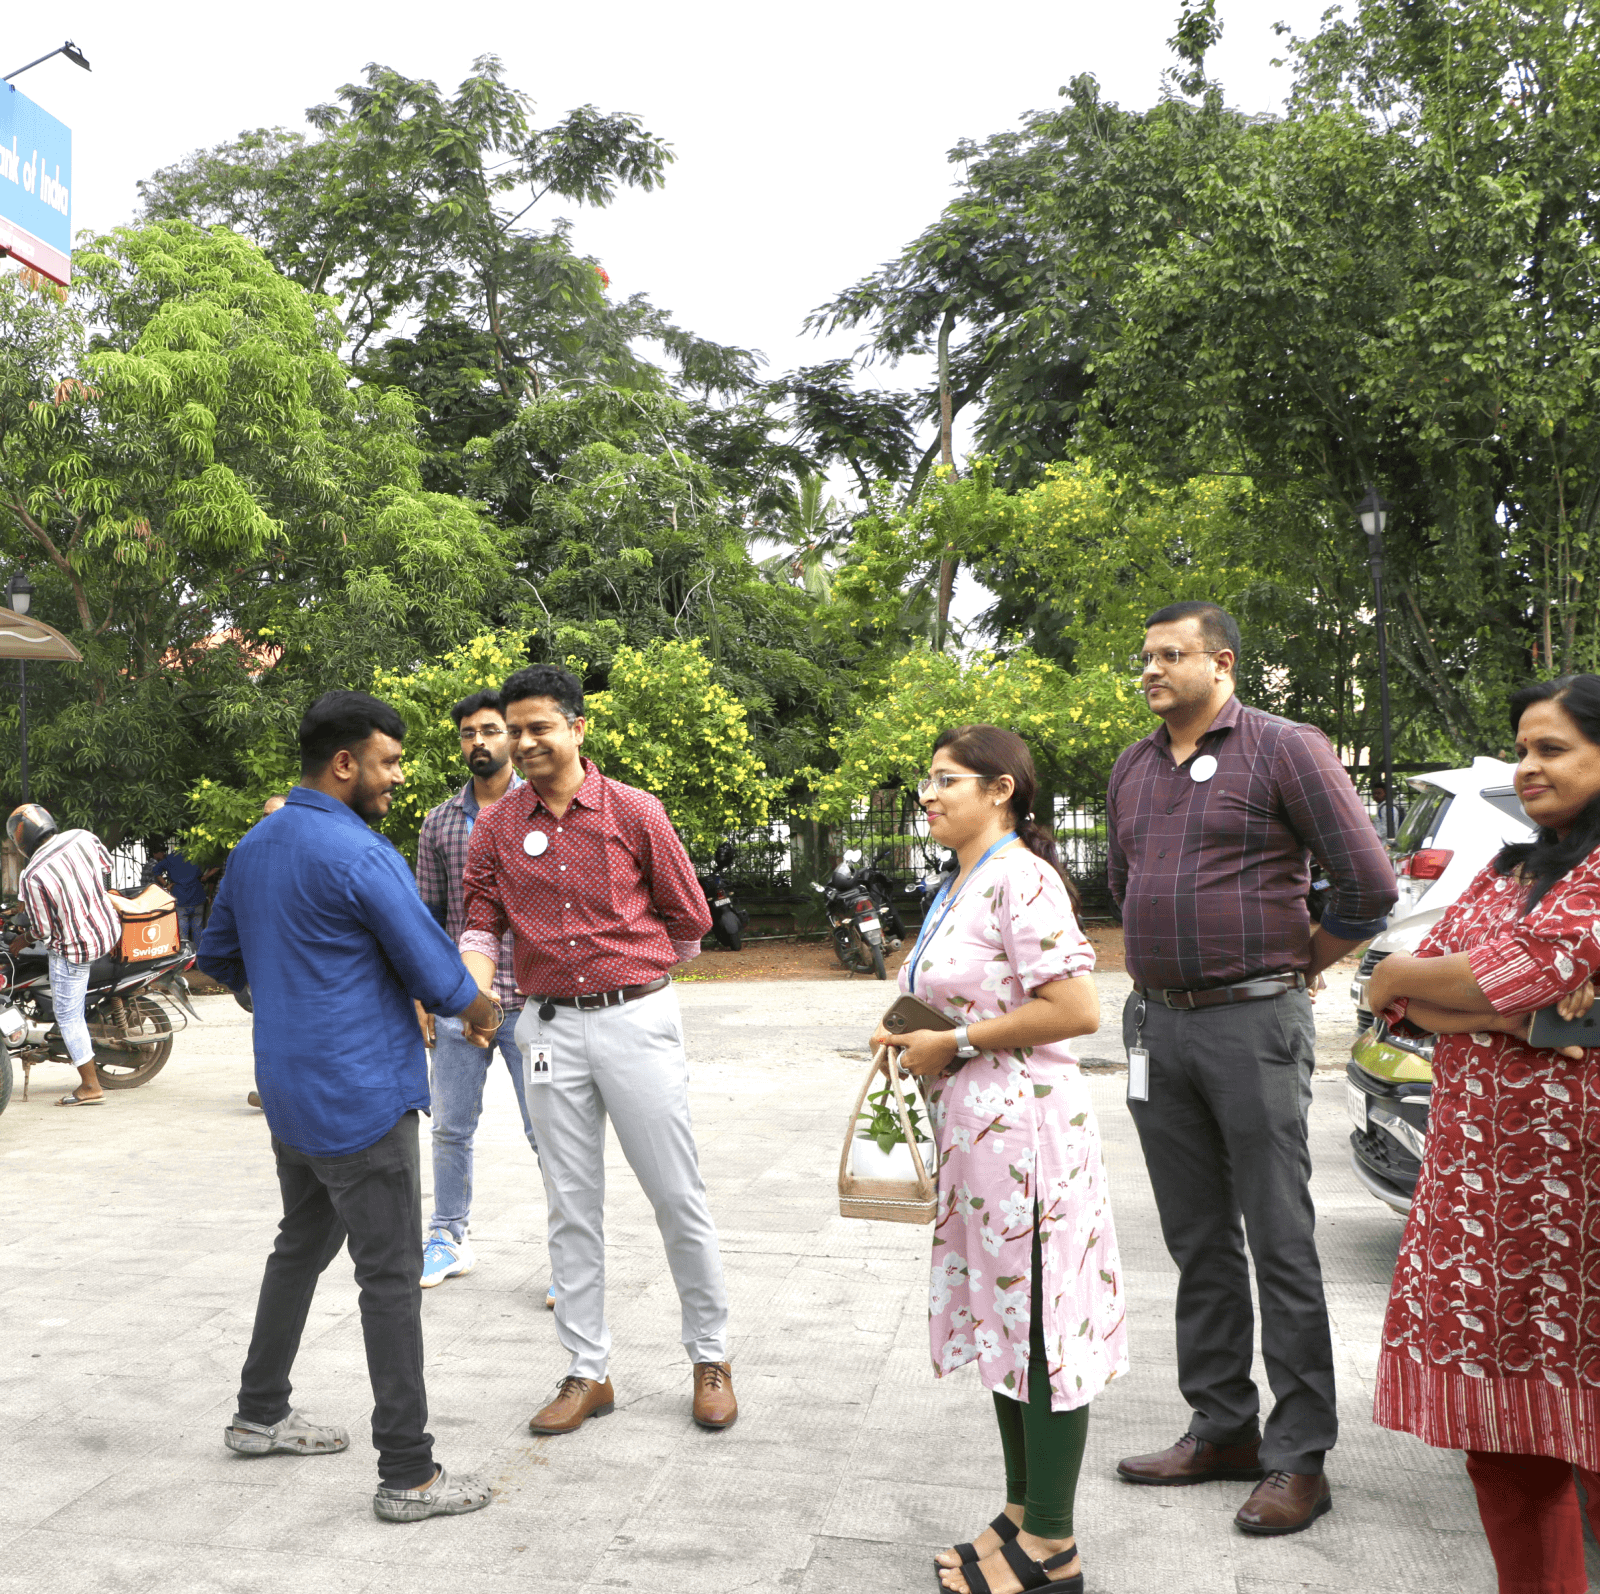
[(134, 1249)]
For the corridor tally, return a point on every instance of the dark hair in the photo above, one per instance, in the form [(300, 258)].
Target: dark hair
[(343, 720), (472, 703), (1217, 626), (545, 680), (989, 751), (1548, 857)]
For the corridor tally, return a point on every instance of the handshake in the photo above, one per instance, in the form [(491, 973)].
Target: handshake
[(480, 1021)]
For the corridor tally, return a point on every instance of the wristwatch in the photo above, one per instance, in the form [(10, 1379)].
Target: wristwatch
[(964, 1047)]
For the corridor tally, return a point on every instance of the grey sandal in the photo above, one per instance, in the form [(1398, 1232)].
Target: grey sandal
[(296, 1435), (444, 1497)]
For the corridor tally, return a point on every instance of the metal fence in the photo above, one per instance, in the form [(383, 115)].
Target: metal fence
[(772, 861)]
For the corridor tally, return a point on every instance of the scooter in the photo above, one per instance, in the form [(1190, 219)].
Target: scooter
[(853, 917), (728, 920), (130, 1027)]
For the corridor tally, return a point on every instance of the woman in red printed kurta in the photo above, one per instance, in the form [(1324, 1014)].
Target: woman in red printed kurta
[(1491, 1343)]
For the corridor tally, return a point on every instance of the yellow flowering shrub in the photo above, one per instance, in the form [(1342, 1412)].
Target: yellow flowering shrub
[(1074, 724), (663, 724)]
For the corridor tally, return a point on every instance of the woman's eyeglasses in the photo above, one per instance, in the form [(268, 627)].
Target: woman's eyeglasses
[(933, 783)]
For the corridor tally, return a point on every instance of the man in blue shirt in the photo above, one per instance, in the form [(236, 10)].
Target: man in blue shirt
[(319, 918), (184, 881)]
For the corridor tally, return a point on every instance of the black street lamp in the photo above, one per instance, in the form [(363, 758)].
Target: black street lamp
[(69, 49), (19, 595), (1374, 513)]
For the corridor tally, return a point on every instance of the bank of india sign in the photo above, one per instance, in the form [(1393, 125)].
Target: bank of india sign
[(35, 186)]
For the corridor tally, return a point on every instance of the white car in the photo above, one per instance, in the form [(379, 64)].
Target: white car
[(1457, 821)]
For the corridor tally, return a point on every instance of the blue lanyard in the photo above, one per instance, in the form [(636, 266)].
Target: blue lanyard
[(929, 927)]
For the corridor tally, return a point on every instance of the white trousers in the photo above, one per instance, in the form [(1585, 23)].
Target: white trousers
[(627, 1063)]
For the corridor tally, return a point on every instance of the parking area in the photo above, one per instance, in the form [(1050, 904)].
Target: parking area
[(127, 1283)]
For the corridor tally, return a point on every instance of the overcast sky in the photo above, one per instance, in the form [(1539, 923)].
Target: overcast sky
[(810, 139)]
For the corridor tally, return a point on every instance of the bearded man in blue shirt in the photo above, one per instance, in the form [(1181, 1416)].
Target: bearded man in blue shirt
[(318, 918)]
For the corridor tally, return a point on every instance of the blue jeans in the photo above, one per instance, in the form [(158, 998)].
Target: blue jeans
[(189, 923), (459, 1070), (69, 985)]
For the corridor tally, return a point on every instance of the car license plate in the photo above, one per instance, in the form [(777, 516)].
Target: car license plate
[(1356, 1101), (869, 924), (722, 902), (13, 1025)]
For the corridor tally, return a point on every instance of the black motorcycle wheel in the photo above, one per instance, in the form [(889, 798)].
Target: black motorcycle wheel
[(5, 1076), (875, 952), (729, 931), (124, 1067)]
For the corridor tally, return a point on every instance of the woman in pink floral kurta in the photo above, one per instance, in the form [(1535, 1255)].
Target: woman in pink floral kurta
[(1026, 1280), (1015, 1128)]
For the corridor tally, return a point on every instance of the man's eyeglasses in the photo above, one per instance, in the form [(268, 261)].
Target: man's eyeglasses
[(481, 732), (1140, 662), (933, 783)]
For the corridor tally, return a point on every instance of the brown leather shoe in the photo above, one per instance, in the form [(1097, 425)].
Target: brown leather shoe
[(714, 1405), (1285, 1502), (576, 1399), (1194, 1460)]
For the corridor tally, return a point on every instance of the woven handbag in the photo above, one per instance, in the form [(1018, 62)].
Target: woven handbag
[(891, 1200)]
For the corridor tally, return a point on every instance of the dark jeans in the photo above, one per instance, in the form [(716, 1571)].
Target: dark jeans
[(373, 1198), (1224, 1139)]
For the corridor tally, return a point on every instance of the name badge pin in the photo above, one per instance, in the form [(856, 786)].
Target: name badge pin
[(1203, 768), (536, 841)]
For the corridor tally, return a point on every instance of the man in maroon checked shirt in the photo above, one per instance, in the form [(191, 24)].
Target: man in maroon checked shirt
[(601, 900)]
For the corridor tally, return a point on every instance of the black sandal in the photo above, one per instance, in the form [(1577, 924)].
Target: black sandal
[(1002, 1525), (1031, 1574)]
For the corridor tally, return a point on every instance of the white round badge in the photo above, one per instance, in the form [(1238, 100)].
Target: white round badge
[(536, 841), (1203, 768)]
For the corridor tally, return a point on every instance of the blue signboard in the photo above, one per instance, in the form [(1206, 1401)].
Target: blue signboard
[(35, 186)]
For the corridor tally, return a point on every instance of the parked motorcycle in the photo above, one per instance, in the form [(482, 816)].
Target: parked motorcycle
[(883, 887), (728, 920), (854, 918), (129, 1024)]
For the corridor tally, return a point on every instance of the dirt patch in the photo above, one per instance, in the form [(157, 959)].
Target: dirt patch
[(814, 960)]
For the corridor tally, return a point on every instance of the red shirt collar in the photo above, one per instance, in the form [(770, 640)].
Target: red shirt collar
[(588, 795)]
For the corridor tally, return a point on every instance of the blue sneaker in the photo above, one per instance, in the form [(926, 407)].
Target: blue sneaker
[(445, 1257)]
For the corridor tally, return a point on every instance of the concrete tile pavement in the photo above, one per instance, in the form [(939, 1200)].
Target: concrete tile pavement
[(127, 1286)]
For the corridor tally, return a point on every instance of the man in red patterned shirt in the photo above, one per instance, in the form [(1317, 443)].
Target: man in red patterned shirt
[(601, 901)]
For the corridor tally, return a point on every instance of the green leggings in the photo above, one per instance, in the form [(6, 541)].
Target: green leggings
[(1043, 1448)]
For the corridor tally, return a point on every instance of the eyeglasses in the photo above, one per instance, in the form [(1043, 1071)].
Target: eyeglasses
[(932, 783), (1140, 662), (481, 732)]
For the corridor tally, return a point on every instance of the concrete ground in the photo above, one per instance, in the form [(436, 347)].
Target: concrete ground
[(128, 1282)]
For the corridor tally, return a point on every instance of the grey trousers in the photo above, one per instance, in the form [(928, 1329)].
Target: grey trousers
[(626, 1063), (1224, 1139)]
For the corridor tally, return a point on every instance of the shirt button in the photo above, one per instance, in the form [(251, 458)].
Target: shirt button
[(572, 943), (566, 904), (1172, 808), (558, 830), (580, 979), (1162, 853), (562, 867)]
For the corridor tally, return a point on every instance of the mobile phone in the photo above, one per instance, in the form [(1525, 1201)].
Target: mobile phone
[(1550, 1029), (907, 1013)]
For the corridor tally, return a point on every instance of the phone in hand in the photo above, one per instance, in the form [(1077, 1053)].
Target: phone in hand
[(1550, 1029), (907, 1013)]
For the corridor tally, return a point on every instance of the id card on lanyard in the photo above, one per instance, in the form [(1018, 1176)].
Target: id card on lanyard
[(931, 925)]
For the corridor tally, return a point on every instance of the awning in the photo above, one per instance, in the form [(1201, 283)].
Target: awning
[(23, 637)]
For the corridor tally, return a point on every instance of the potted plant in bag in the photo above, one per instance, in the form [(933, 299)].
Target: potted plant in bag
[(879, 1150)]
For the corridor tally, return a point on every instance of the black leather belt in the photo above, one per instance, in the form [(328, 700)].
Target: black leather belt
[(590, 1000), (1224, 995)]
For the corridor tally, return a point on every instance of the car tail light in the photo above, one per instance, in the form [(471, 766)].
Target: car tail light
[(1428, 864)]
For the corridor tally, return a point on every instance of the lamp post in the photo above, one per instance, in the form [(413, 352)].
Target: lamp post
[(1374, 513), (69, 49), (19, 595)]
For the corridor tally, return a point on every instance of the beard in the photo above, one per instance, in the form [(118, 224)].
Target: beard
[(370, 801), (483, 763)]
